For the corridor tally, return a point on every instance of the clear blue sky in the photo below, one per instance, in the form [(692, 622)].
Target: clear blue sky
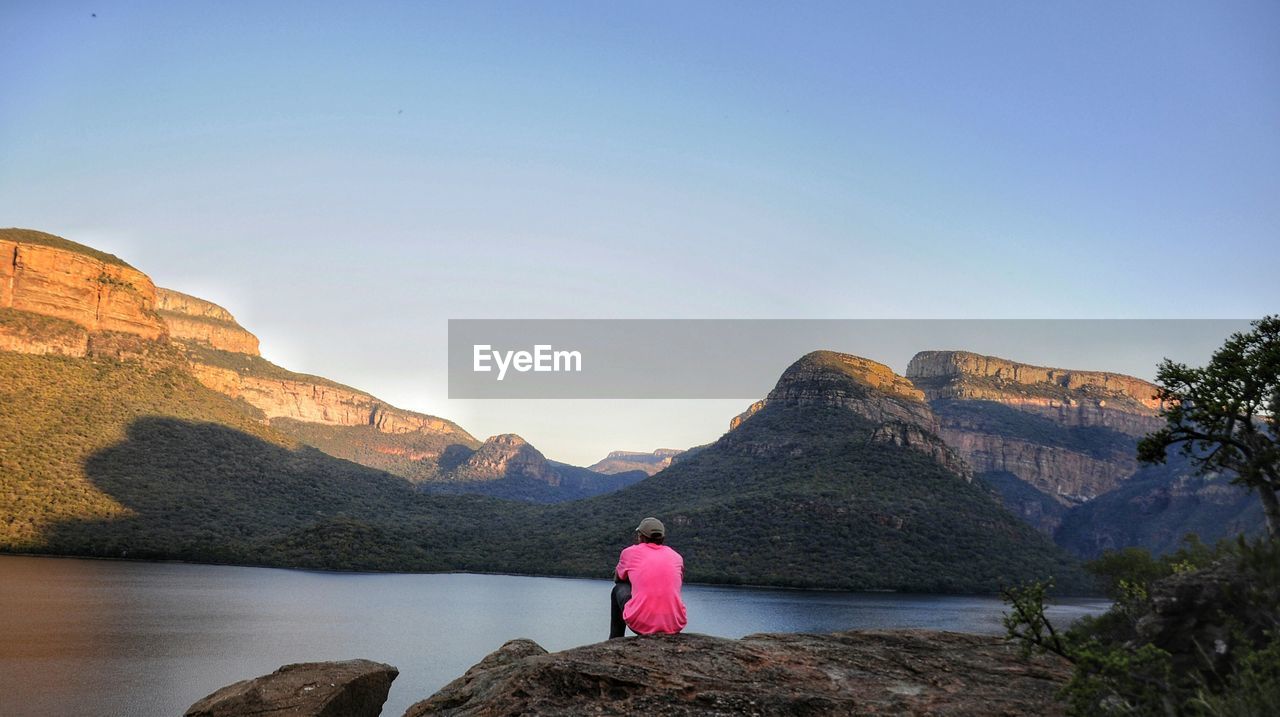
[(346, 177)]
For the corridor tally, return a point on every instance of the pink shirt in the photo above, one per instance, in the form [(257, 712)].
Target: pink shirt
[(656, 573)]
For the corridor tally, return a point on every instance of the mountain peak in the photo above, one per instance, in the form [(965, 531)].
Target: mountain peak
[(868, 389), (963, 374), (194, 319), (39, 238), (836, 370)]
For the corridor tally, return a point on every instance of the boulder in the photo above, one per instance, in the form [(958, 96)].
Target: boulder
[(908, 672), (353, 688)]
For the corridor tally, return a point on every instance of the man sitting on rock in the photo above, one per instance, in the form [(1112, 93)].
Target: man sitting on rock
[(646, 593)]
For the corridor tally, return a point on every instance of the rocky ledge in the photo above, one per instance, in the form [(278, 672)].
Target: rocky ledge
[(907, 672), (353, 688), (899, 672)]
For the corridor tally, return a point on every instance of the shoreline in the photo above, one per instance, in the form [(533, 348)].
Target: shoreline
[(751, 586)]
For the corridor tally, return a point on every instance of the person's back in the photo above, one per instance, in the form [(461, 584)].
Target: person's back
[(650, 575)]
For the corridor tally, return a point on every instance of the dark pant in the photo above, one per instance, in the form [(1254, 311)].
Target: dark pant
[(618, 600)]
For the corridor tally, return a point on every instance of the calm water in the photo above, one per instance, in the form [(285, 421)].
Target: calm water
[(139, 639)]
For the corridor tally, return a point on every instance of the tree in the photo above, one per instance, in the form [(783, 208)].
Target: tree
[(1224, 416)]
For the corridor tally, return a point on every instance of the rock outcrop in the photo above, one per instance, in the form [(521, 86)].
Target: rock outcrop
[(1069, 397), (506, 456), (1209, 618), (860, 672), (354, 688), (280, 393), (30, 333), (868, 389), (191, 319), (47, 275), (1070, 434), (624, 461)]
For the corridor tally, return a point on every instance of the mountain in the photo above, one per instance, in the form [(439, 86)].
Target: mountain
[(837, 480), (60, 297), (507, 466), (626, 461), (1060, 448), (141, 421)]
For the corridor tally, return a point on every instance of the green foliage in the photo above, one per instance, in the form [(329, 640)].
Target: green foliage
[(32, 325), (803, 496), (120, 459), (106, 279), (1123, 668), (1226, 415), (1026, 622), (1118, 680), (254, 366), (1254, 689), (414, 456)]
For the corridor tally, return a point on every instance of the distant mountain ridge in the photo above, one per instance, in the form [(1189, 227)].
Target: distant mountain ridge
[(123, 399), (835, 481), (869, 389), (1060, 447), (60, 297), (624, 461)]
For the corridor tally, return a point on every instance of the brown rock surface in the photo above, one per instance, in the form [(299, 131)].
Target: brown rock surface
[(506, 456), (314, 400), (191, 319), (623, 461), (354, 688), (869, 389), (47, 275), (1069, 476), (1081, 398), (977, 399), (30, 333), (861, 672)]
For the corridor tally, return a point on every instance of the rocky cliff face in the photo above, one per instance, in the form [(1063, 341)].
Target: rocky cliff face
[(30, 333), (50, 276), (1071, 434), (506, 456), (869, 389), (1071, 398), (283, 394), (624, 461), (59, 297), (858, 672), (1071, 476), (192, 319)]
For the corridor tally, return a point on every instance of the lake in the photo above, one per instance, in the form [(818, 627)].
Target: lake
[(142, 639)]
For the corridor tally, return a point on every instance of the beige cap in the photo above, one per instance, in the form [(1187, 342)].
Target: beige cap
[(651, 528)]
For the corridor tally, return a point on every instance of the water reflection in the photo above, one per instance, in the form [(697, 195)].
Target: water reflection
[(141, 639)]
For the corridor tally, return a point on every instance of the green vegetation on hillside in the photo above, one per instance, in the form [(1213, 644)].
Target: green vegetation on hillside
[(209, 320), (37, 326), (113, 459), (30, 236), (1194, 633), (801, 496), (571, 483), (116, 459), (414, 456), (255, 366)]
